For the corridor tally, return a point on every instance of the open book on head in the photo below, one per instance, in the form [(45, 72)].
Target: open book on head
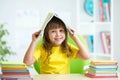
[(46, 21)]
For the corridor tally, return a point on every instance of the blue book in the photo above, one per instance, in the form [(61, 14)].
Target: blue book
[(91, 43), (103, 69)]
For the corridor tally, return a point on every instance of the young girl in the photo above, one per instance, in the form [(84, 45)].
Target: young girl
[(55, 52)]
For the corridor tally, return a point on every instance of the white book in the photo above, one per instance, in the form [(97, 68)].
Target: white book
[(104, 74), (107, 12), (104, 66), (106, 42), (47, 19)]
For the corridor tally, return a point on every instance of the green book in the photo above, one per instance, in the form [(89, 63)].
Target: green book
[(7, 63)]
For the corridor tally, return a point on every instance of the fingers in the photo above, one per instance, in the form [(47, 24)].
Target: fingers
[(71, 31), (35, 35)]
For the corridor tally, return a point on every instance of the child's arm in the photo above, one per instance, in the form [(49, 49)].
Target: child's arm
[(29, 58), (83, 52)]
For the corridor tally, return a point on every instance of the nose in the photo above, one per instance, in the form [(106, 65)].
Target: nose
[(57, 33)]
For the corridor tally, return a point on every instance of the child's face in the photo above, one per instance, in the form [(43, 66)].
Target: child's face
[(57, 36)]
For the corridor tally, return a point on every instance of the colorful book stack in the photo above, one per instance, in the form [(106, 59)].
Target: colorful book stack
[(102, 69), (14, 71)]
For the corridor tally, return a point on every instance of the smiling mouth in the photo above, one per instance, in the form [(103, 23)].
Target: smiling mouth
[(58, 39)]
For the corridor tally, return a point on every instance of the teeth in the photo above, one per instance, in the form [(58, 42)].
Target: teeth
[(58, 39)]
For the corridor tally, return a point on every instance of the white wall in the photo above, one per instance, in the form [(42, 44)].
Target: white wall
[(116, 30)]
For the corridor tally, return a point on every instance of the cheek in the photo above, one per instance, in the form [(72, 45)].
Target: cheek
[(64, 35), (51, 36)]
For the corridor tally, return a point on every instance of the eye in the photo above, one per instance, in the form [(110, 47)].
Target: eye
[(61, 30), (52, 31)]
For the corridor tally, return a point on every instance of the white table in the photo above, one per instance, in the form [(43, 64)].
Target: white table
[(67, 77)]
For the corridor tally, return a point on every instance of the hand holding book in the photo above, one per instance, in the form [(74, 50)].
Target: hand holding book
[(71, 31), (47, 19), (35, 36)]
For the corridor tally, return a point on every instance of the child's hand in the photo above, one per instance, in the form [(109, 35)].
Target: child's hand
[(71, 32), (35, 36)]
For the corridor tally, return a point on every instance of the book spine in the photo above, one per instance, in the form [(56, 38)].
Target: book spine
[(16, 78), (92, 76), (101, 10), (90, 42), (107, 7), (104, 43), (104, 66)]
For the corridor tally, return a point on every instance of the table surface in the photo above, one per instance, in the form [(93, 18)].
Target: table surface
[(67, 77)]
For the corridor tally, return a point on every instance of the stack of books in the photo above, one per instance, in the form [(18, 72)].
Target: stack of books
[(14, 71), (102, 69)]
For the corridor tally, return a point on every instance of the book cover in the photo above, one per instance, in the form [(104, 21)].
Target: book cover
[(101, 11), (107, 8), (103, 62), (20, 71), (104, 66), (7, 63), (101, 71), (13, 68), (90, 43), (106, 41), (102, 76), (14, 75), (49, 16), (18, 78)]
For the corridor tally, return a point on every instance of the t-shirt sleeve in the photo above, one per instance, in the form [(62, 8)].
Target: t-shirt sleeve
[(74, 50), (37, 54)]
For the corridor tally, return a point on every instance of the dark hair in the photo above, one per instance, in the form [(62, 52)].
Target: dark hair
[(55, 22)]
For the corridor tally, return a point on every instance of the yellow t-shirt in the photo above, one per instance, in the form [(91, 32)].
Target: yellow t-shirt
[(58, 62)]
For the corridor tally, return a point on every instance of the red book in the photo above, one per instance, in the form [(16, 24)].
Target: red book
[(106, 41), (101, 11), (93, 76)]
